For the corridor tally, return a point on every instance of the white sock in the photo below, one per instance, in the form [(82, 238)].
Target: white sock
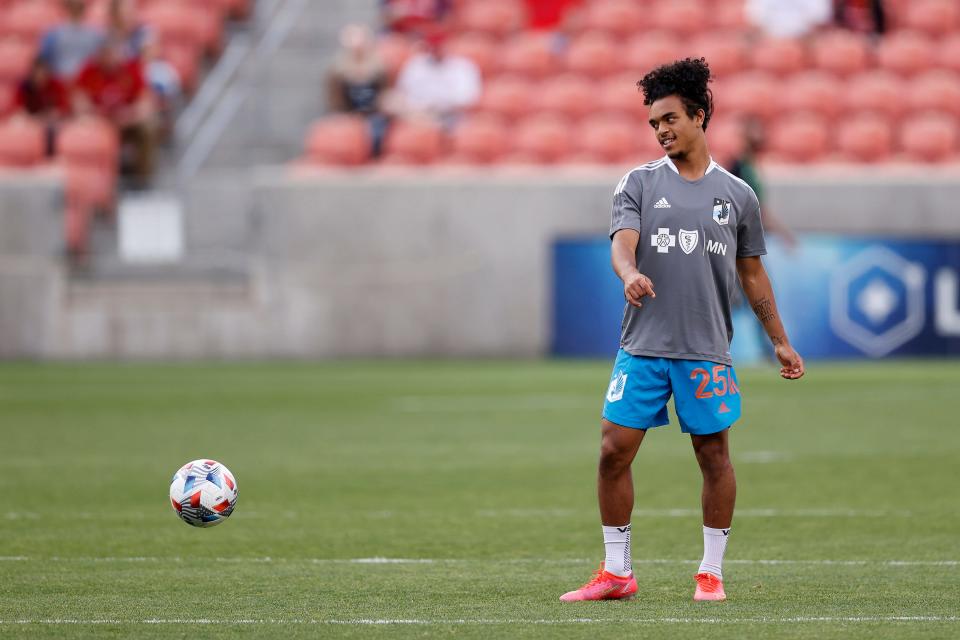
[(617, 543), (714, 545)]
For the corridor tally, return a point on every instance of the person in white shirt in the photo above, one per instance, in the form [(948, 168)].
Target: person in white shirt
[(436, 84), (793, 19)]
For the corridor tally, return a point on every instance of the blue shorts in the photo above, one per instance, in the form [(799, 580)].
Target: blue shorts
[(706, 394)]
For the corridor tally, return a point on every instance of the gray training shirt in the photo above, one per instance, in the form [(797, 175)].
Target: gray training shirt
[(691, 234)]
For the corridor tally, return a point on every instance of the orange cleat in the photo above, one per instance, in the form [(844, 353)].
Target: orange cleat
[(709, 587), (603, 586)]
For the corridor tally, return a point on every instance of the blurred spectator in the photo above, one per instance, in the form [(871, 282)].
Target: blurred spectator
[(357, 81), (405, 16), (44, 97), (788, 19), (115, 88), (436, 84), (744, 167), (125, 26), (863, 16), (550, 15), (164, 81), (68, 46)]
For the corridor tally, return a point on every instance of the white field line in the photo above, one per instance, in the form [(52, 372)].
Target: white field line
[(473, 561), (485, 621)]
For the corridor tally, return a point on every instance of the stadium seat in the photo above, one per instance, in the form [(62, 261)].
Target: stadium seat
[(530, 55), (544, 139), (728, 15), (937, 90), (948, 53), (415, 141), (905, 52), (813, 91), (394, 50), (185, 58), (593, 54), (866, 138), (647, 51), (753, 93), (493, 17), (801, 137), (933, 17), (620, 95), (682, 17), (175, 24), (29, 20), (7, 92), (507, 96), (726, 53), (339, 140), (620, 18), (480, 140), (569, 95), (930, 137), (89, 142), (22, 142), (778, 56), (479, 48), (875, 91), (841, 52), (606, 139), (16, 57), (726, 139)]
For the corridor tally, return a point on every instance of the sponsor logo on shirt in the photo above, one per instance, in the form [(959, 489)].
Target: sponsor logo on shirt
[(716, 247), (721, 211), (663, 240), (688, 240), (662, 204)]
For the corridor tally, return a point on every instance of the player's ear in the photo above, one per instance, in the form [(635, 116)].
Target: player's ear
[(700, 117)]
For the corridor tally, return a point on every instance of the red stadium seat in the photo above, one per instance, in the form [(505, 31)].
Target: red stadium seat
[(813, 91), (754, 93), (620, 18), (620, 95), (7, 93), (800, 138), (15, 59), (866, 138), (507, 96), (22, 142), (905, 52), (607, 139), (779, 56), (593, 54), (479, 48), (543, 139), (647, 51), (185, 58), (841, 52), (29, 20), (394, 50), (418, 141), (726, 139), (728, 15), (175, 24), (933, 17), (568, 95), (530, 55), (494, 17), (726, 53), (339, 140), (948, 53), (480, 140), (930, 137), (90, 142), (935, 91), (682, 17), (876, 92)]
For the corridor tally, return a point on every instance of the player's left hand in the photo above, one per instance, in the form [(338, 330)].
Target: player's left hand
[(792, 368)]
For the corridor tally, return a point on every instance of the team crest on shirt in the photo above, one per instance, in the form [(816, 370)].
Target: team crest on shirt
[(688, 240), (721, 211)]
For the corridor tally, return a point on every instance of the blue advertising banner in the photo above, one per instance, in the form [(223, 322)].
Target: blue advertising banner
[(839, 296)]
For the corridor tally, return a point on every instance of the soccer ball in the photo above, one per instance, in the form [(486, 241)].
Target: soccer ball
[(203, 493)]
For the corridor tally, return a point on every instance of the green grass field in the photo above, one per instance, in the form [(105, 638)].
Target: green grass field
[(397, 499)]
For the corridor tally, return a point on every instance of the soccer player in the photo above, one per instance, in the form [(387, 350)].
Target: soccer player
[(683, 231)]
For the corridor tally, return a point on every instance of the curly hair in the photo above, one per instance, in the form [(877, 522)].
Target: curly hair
[(686, 79)]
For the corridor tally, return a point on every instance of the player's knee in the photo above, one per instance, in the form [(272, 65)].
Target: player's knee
[(714, 462), (614, 459)]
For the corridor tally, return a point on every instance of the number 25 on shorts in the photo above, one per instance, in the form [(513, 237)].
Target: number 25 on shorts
[(723, 383)]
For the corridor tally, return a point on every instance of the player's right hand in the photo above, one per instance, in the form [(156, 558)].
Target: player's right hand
[(636, 287)]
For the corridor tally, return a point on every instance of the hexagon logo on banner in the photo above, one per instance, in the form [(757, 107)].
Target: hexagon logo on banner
[(877, 301)]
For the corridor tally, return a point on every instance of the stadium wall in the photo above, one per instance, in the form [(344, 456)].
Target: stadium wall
[(375, 264)]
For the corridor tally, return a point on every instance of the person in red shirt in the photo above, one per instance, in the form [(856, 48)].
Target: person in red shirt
[(42, 96), (550, 15), (113, 86)]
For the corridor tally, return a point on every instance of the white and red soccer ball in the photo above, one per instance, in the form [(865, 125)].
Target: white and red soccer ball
[(203, 493)]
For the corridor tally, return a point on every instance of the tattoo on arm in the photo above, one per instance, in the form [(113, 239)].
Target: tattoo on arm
[(764, 310), (778, 340)]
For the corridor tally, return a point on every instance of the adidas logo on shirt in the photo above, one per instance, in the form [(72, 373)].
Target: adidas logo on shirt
[(662, 204)]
